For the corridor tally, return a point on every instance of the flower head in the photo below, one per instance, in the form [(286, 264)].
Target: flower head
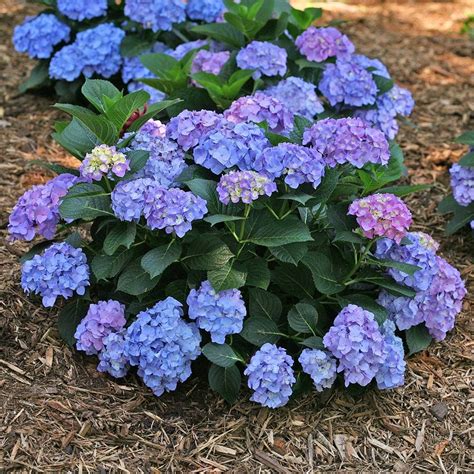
[(260, 107), (38, 35), (67, 63), (266, 58), (210, 62), (319, 44), (405, 312), (347, 140), (112, 358), (230, 145), (162, 345), (356, 341), (184, 48), (80, 10), (206, 10), (320, 366), (245, 186), (101, 319), (188, 127), (462, 182), (37, 211), (60, 271), (392, 372), (298, 96), (102, 161), (156, 15), (348, 83), (382, 215), (270, 376), (219, 313)]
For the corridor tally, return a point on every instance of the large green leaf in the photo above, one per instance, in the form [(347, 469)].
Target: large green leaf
[(121, 234), (407, 268), (227, 276), (135, 280), (291, 253), (152, 111), (123, 108), (258, 273), (314, 342), (220, 354), (38, 77), (418, 338), (467, 160), (326, 272), (225, 381), (69, 318), (108, 266), (466, 138), (263, 304), (207, 252), (157, 260), (391, 285), (76, 138), (258, 331), (296, 282), (221, 32), (303, 318), (85, 201), (96, 90)]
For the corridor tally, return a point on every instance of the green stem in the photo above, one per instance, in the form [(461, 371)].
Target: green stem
[(180, 35), (359, 263), (272, 211)]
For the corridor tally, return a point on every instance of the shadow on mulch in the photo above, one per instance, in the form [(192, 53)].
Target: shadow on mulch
[(57, 413)]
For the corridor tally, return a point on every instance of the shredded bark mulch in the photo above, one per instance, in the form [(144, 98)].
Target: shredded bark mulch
[(58, 414)]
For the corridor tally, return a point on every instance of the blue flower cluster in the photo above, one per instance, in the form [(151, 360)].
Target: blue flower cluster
[(391, 373), (266, 58), (82, 9), (231, 145), (37, 36), (94, 51), (162, 345), (101, 319), (60, 271), (156, 14), (462, 183), (112, 357), (206, 10), (320, 366), (270, 376), (219, 313), (298, 96), (181, 50)]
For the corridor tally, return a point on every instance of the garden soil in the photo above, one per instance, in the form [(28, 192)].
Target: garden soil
[(58, 414)]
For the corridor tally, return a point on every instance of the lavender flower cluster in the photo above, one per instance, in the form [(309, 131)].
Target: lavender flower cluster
[(244, 186), (265, 58), (462, 183), (102, 161)]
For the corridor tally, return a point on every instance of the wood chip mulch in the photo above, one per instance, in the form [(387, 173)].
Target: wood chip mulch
[(58, 414)]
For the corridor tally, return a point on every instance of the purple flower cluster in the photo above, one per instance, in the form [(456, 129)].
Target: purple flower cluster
[(245, 186), (60, 271), (319, 44), (347, 140), (207, 61), (102, 161), (150, 132), (94, 51), (462, 183), (205, 10), (270, 376), (348, 83), (101, 320), (162, 345), (414, 253), (231, 145), (391, 373), (80, 10), (397, 101), (37, 211), (188, 127), (219, 313), (112, 357), (184, 48), (266, 58), (437, 307), (157, 15), (129, 198), (261, 107), (355, 340), (382, 215), (374, 66), (173, 210), (298, 96), (320, 366), (37, 36)]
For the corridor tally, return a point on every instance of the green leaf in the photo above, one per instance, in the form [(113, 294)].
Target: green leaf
[(133, 45), (290, 253), (163, 66), (135, 280), (391, 285), (303, 318), (405, 190), (418, 339), (467, 138), (220, 354), (226, 277), (263, 229), (76, 138), (122, 234), (258, 273), (325, 272), (38, 77), (314, 342), (222, 32), (367, 303), (152, 111), (106, 266), (462, 216), (338, 217), (219, 218), (138, 159), (383, 84), (178, 289), (296, 282), (299, 126), (123, 108), (258, 331), (263, 304), (225, 381), (407, 268), (85, 201), (157, 260), (207, 252), (448, 204), (467, 160), (96, 90), (327, 186), (69, 318), (348, 236)]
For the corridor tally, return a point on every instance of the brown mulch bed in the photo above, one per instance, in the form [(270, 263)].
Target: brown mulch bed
[(58, 414)]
